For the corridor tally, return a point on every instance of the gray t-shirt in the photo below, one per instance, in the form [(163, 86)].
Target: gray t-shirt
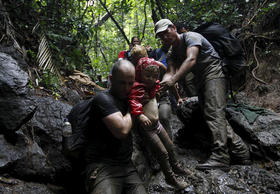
[(208, 64)]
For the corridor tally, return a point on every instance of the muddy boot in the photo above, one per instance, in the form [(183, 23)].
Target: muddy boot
[(177, 184), (170, 176), (239, 151), (179, 169), (241, 159), (217, 160)]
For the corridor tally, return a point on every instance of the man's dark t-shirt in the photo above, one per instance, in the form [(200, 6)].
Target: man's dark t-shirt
[(102, 146)]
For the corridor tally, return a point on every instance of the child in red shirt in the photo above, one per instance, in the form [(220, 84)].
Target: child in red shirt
[(143, 105)]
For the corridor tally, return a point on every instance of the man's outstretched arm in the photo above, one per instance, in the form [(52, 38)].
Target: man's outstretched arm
[(186, 67)]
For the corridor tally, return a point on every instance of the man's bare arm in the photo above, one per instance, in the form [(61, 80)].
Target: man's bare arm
[(118, 124), (188, 63), (169, 80)]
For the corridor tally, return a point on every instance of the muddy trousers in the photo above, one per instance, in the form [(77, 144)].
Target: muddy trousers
[(162, 146), (164, 112), (212, 99), (108, 179)]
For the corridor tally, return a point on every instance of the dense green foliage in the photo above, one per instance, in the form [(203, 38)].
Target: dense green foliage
[(80, 36)]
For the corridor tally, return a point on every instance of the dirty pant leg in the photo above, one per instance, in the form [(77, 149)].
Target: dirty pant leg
[(169, 146), (212, 98), (116, 186), (158, 148), (115, 180), (108, 186), (164, 117), (236, 145)]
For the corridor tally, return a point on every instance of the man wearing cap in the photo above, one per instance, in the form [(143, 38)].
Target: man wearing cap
[(191, 52)]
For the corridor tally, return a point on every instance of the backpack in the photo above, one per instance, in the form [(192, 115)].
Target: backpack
[(79, 119), (228, 47), (231, 52)]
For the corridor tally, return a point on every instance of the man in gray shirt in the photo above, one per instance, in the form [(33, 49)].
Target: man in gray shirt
[(191, 52)]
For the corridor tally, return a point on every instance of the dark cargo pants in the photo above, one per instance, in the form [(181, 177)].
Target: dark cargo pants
[(212, 99), (109, 179)]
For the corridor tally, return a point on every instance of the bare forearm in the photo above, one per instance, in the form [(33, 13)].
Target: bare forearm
[(184, 69)]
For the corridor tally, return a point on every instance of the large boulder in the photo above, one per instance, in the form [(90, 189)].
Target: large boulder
[(48, 126), (25, 159), (14, 112), (15, 107), (13, 80), (260, 127), (35, 150)]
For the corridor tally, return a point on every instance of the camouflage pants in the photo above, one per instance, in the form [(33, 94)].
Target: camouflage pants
[(212, 99)]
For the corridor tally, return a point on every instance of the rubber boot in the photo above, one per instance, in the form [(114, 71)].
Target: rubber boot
[(217, 160), (170, 176), (239, 151)]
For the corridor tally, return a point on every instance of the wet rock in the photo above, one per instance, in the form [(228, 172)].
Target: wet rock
[(48, 120), (71, 96), (36, 150), (259, 127), (13, 80), (14, 112), (11, 186), (25, 159), (15, 54), (194, 133), (10, 155), (48, 125)]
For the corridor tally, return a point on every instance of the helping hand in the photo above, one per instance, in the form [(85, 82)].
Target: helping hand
[(166, 84)]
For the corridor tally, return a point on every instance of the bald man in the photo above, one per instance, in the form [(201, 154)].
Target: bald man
[(109, 148)]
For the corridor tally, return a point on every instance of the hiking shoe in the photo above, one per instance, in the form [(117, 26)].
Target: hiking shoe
[(212, 164)]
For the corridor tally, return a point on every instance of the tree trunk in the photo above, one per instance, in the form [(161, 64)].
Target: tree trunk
[(116, 23), (160, 9), (154, 13)]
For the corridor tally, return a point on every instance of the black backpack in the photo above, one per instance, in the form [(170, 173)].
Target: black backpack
[(79, 119), (230, 50), (228, 46)]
